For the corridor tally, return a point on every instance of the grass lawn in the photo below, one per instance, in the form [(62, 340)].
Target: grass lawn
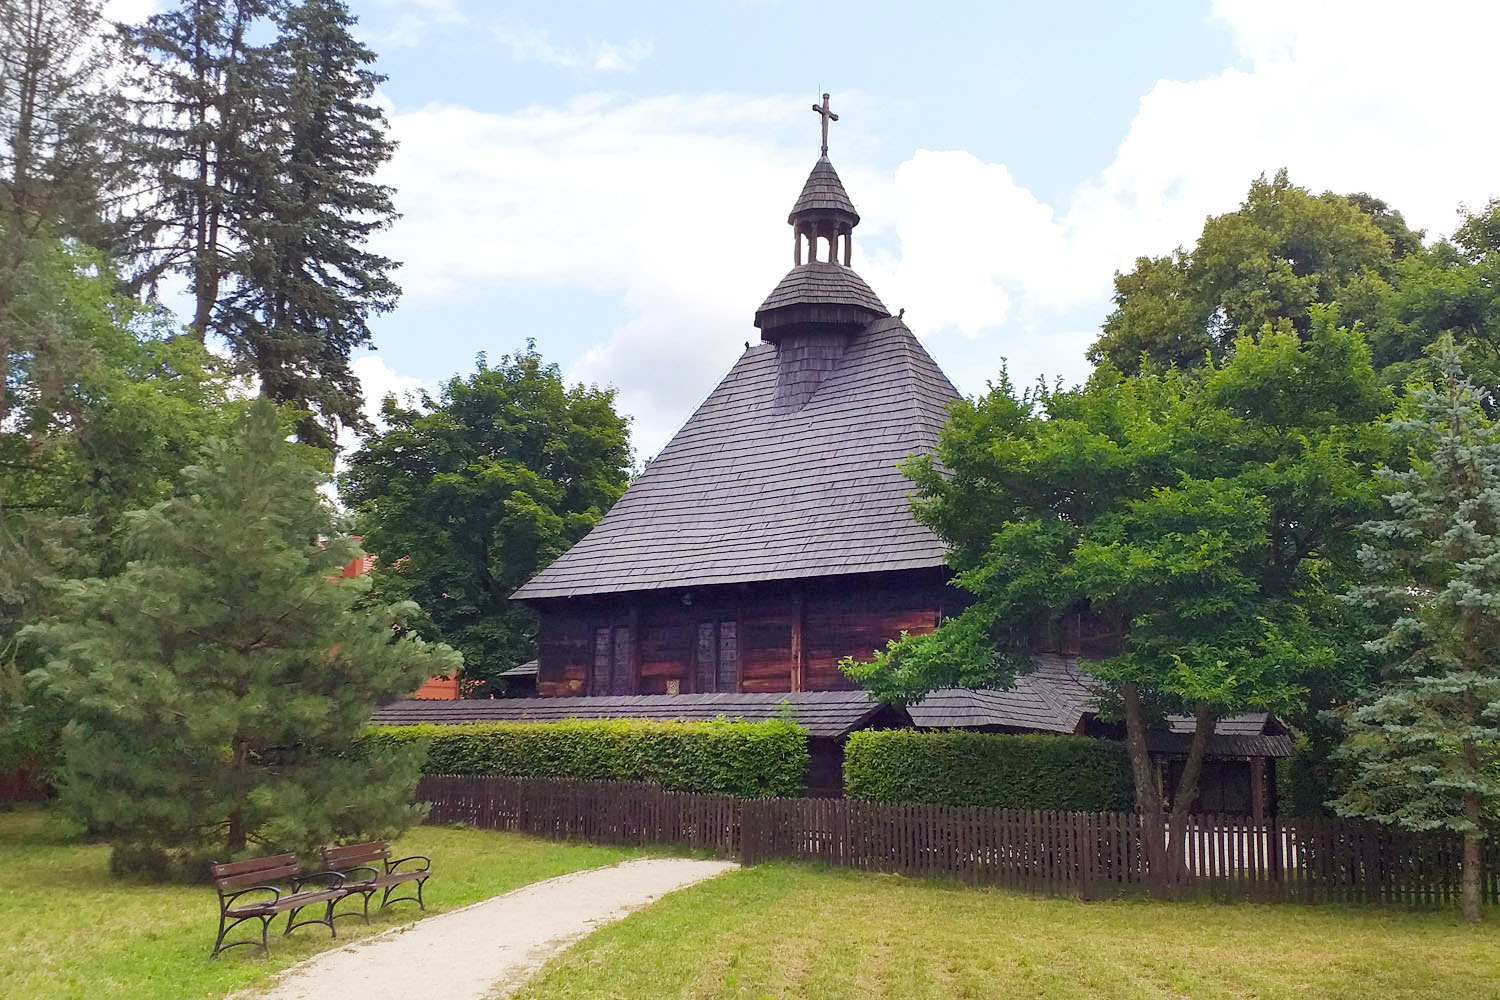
[(70, 929), (784, 931)]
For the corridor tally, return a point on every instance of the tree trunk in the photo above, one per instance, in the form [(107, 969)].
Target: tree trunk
[(1186, 792), (1473, 873), (1147, 795), (239, 764)]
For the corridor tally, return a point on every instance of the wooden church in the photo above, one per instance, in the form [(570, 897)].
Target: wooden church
[(773, 536)]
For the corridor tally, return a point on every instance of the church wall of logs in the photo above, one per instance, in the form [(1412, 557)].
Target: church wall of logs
[(765, 637)]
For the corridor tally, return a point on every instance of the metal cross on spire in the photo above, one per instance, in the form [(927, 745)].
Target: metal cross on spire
[(822, 109)]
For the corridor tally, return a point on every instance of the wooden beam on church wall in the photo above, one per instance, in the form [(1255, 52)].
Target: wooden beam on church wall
[(634, 686), (799, 658)]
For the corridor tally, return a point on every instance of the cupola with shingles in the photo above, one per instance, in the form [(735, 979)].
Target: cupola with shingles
[(821, 304)]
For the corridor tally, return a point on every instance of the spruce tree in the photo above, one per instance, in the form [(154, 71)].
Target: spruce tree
[(209, 133), (1425, 743), (219, 685), (306, 284)]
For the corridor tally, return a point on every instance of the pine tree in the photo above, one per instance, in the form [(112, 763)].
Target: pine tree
[(306, 284), (219, 685), (1425, 743)]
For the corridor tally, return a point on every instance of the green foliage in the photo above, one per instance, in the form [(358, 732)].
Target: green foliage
[(1209, 517), (1283, 251), (1305, 781), (957, 768), (1451, 290), (103, 413), (305, 285), (1425, 742), (465, 497), (1203, 520), (749, 759), (261, 139), (218, 684)]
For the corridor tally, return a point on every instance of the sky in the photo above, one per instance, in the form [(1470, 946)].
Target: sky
[(612, 180)]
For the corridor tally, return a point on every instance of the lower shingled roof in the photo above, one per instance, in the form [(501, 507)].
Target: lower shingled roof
[(1056, 697), (821, 713)]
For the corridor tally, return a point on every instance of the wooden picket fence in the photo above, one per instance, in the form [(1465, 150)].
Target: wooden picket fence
[(1091, 855)]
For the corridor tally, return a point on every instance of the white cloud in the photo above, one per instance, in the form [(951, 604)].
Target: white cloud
[(378, 380), (677, 204), (530, 44)]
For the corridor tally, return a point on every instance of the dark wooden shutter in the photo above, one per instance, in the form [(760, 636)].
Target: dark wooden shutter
[(729, 657), (619, 675), (707, 656), (599, 683)]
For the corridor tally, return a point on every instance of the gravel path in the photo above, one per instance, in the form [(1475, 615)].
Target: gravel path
[(488, 949)]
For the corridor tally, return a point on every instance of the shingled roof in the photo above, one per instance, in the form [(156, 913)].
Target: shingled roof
[(1053, 698), (822, 283), (821, 713), (750, 490), (823, 192), (1057, 696)]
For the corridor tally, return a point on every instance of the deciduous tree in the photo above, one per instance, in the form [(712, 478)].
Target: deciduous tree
[(464, 497), (1269, 262), (1205, 516)]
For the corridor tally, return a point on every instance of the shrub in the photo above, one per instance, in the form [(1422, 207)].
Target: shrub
[(988, 769), (750, 759)]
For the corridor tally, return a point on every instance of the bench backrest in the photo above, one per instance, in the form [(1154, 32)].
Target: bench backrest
[(353, 855), (254, 871)]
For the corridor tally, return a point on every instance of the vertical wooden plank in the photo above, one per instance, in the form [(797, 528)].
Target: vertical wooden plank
[(799, 659)]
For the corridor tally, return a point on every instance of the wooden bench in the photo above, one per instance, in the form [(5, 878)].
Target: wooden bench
[(368, 868), (277, 876)]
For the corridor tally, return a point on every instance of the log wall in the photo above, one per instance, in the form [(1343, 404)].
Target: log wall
[(773, 637)]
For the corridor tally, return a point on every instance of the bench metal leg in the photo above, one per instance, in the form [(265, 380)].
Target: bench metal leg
[(327, 920), (386, 898), (365, 896), (224, 929)]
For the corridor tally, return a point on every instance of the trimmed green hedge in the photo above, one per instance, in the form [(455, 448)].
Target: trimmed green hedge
[(988, 769), (750, 759)]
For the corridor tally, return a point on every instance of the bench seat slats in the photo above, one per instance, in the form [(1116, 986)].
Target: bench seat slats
[(285, 903), (381, 881)]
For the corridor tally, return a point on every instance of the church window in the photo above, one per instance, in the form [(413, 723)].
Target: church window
[(611, 661), (718, 656)]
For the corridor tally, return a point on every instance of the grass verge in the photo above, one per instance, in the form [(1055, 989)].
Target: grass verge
[(70, 929), (787, 931)]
